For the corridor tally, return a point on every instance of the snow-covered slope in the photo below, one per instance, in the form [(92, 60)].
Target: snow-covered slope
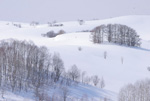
[(139, 23), (90, 58), (75, 92)]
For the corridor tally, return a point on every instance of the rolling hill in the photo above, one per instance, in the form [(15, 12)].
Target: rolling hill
[(91, 56)]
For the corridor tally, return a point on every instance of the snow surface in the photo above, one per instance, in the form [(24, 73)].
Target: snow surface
[(90, 58)]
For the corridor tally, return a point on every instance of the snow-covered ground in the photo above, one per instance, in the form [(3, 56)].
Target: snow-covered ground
[(90, 58), (75, 92)]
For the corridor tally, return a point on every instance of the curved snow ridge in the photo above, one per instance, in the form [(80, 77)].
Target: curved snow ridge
[(138, 22), (74, 38), (92, 92)]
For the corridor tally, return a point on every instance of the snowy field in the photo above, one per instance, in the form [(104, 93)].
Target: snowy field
[(91, 58)]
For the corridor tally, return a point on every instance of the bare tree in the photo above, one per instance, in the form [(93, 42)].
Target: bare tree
[(95, 80), (61, 32), (80, 48), (2, 91), (34, 23), (83, 75), (58, 66), (98, 34), (65, 92), (74, 73), (51, 34), (87, 80), (84, 98), (102, 83), (81, 22), (105, 54), (148, 68), (122, 60)]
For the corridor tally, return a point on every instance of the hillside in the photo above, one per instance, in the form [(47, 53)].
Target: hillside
[(90, 58)]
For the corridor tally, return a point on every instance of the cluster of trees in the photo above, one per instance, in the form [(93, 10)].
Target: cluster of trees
[(52, 34), (140, 91), (81, 22), (116, 33), (34, 23), (23, 65), (17, 25), (54, 24), (75, 75), (27, 67)]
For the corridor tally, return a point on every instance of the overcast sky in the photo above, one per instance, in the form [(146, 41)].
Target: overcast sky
[(67, 10)]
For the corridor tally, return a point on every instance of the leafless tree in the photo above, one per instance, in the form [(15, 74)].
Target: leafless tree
[(2, 91), (122, 60), (83, 75), (61, 32), (74, 73), (80, 48), (58, 66), (65, 92), (105, 54), (95, 80), (102, 83), (84, 98), (87, 80), (34, 23), (81, 22), (51, 34), (148, 68)]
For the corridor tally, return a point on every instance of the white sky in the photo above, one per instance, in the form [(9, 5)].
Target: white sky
[(67, 10)]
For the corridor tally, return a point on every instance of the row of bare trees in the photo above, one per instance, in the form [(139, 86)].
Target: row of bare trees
[(140, 91), (76, 75), (116, 33), (25, 66)]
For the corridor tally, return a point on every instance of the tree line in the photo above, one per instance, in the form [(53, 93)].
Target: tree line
[(116, 33), (140, 91), (27, 67)]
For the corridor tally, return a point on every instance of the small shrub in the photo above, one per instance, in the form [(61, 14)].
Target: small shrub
[(80, 48)]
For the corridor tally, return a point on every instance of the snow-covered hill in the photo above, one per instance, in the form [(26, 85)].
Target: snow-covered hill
[(90, 58)]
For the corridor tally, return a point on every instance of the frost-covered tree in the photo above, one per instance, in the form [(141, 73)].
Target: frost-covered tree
[(22, 64), (65, 92), (87, 80), (74, 73), (34, 23), (98, 34), (140, 91), (95, 80), (81, 22), (102, 83), (58, 66), (83, 76), (116, 33), (105, 54), (148, 68), (61, 32), (51, 34)]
